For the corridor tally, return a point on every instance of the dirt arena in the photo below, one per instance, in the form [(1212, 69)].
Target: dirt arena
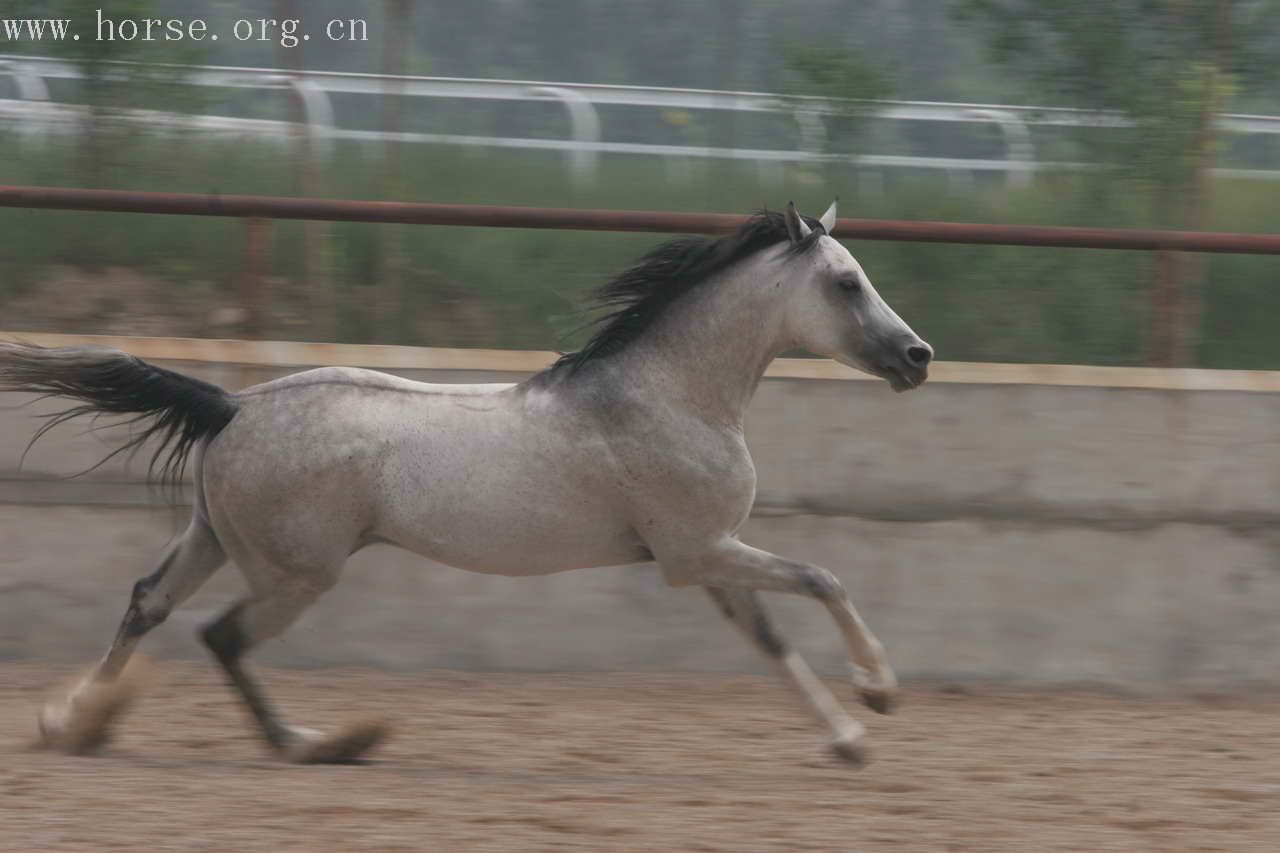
[(528, 762)]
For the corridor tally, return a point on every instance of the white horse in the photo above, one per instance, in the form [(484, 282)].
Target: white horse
[(629, 450)]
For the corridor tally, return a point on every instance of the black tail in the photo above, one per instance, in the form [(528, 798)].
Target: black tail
[(181, 411)]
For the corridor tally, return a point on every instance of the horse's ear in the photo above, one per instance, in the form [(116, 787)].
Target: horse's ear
[(828, 219), (797, 228)]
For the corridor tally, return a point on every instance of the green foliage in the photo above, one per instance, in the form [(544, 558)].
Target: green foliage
[(850, 83), (1166, 65), (1167, 68), (831, 71)]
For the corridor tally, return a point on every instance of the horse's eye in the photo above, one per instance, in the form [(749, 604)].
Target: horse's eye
[(850, 285)]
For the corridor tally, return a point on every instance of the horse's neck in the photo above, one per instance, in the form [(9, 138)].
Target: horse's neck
[(708, 354)]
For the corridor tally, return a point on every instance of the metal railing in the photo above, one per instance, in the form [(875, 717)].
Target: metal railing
[(584, 219), (258, 210), (36, 113)]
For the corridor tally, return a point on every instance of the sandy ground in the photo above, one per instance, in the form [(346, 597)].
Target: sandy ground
[(532, 762)]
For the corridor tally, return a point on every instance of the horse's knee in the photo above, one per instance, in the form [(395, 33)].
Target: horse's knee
[(822, 584)]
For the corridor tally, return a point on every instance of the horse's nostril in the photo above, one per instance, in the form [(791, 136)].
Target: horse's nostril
[(919, 355)]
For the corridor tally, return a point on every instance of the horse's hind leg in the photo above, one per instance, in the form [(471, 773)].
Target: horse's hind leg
[(80, 721), (247, 624)]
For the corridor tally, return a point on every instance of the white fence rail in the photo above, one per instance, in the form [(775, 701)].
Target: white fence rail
[(36, 113)]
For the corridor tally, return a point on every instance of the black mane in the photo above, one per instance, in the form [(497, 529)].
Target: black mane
[(634, 300)]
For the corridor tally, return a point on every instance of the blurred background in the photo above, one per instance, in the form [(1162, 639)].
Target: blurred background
[(1009, 530), (1118, 113), (952, 500)]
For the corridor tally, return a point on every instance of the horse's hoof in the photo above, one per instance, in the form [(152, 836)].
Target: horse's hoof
[(345, 747), (852, 749), (81, 723), (878, 692), (879, 700)]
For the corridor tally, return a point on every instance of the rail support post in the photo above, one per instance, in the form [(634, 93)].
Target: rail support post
[(584, 159), (1167, 346), (32, 89), (254, 297), (1020, 150)]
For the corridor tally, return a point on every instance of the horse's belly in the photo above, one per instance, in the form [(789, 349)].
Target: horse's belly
[(516, 547), (532, 542)]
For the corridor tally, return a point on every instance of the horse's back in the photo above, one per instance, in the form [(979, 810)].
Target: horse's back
[(357, 380)]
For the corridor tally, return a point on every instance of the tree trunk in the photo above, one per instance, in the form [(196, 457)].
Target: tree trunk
[(1176, 303)]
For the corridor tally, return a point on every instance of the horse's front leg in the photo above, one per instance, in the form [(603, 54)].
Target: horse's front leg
[(732, 565), (742, 607)]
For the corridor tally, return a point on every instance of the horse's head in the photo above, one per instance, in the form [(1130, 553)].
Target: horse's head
[(834, 311)]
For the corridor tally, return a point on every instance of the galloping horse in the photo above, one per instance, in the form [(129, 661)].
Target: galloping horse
[(629, 450)]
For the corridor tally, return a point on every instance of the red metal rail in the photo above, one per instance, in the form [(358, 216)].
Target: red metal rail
[(268, 207)]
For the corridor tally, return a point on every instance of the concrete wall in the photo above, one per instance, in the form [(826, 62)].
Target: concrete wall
[(1045, 525)]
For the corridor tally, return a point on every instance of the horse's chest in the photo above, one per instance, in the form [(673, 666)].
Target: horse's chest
[(730, 491), (703, 485)]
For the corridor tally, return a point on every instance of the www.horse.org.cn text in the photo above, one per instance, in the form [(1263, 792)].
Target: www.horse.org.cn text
[(288, 32)]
